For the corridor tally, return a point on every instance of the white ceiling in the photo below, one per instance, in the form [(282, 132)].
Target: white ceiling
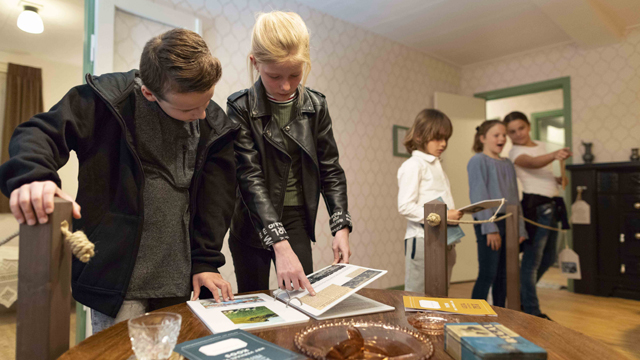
[(63, 35), (461, 32)]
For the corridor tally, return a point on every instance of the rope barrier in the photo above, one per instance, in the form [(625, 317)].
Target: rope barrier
[(80, 245)]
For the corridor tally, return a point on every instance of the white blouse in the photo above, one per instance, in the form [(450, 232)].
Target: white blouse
[(420, 180)]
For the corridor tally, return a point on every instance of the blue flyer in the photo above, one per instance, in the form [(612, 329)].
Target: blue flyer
[(234, 345)]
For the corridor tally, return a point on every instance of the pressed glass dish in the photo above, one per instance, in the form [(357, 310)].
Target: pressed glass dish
[(362, 340), (430, 323)]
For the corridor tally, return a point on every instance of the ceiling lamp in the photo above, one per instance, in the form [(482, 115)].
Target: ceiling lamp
[(30, 21)]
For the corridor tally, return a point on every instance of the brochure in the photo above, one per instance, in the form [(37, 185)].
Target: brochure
[(234, 345), (450, 306), (333, 284), (355, 305), (481, 205), (255, 311)]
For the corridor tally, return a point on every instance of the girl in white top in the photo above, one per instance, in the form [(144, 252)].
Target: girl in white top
[(539, 200), (420, 180)]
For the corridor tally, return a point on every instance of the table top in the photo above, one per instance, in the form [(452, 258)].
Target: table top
[(559, 341)]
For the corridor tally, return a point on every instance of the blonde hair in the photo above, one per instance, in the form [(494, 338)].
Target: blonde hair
[(278, 37), (430, 124)]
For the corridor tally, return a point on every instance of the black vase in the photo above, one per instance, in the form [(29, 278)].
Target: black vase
[(634, 155), (588, 156)]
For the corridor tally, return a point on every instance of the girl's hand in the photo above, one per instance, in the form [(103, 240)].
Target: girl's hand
[(340, 246), (562, 154), (494, 241), (454, 214), (289, 270), (521, 240)]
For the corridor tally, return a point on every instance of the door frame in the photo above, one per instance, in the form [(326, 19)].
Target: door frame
[(535, 119)]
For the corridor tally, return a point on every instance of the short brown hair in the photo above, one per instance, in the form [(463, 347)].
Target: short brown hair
[(178, 61), (430, 124), (482, 130), (515, 115)]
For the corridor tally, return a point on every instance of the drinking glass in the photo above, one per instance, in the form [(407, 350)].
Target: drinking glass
[(154, 335)]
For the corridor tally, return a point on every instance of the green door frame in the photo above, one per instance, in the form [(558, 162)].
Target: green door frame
[(563, 83), (535, 118), (87, 68)]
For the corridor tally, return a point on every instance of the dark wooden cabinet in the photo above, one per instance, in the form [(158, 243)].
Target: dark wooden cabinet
[(609, 247)]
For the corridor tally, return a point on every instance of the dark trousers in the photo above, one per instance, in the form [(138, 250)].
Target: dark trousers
[(252, 265), (492, 267), (539, 253)]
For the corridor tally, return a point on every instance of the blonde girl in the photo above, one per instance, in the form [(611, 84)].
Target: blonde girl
[(286, 158), (492, 177)]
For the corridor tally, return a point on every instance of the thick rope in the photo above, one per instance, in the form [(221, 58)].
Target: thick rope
[(80, 245), (433, 219)]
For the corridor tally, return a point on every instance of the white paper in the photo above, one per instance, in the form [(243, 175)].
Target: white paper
[(581, 213), (569, 264), (355, 305), (481, 205), (222, 347), (217, 316), (332, 284)]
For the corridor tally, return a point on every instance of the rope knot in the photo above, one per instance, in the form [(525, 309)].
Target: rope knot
[(433, 219), (80, 245)]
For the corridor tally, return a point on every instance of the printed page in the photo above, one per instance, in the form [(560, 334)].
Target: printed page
[(355, 305), (481, 205), (245, 312), (332, 284)]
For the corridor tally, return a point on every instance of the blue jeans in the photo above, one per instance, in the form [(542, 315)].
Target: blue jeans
[(539, 253), (493, 268)]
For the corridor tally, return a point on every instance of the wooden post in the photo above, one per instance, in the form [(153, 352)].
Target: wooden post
[(513, 258), (435, 251), (44, 288)]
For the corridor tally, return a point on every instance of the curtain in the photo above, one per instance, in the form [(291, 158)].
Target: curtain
[(23, 100)]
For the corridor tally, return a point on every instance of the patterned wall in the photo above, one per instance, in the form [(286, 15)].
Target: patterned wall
[(605, 90), (371, 83)]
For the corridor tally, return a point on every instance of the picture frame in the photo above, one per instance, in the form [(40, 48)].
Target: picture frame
[(399, 133)]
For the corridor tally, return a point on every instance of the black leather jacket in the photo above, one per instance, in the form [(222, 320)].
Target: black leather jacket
[(263, 166)]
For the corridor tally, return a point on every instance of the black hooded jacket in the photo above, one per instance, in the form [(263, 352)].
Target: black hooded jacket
[(96, 120)]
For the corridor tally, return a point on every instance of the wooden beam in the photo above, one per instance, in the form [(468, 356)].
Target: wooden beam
[(435, 251), (513, 258), (44, 288)]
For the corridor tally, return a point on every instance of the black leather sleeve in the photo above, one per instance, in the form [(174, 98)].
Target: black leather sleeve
[(251, 182), (332, 178)]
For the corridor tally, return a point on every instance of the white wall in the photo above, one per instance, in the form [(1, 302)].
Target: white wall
[(371, 83), (605, 90), (57, 79)]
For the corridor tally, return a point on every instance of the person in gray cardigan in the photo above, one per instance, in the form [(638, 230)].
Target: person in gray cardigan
[(492, 177)]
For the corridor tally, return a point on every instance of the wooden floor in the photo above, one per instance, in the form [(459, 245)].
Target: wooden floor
[(614, 321)]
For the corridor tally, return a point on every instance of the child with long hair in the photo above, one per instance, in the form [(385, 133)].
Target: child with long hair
[(540, 202), (286, 156), (492, 177), (420, 180)]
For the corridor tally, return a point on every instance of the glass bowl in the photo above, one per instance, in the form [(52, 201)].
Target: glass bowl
[(362, 340), (430, 323), (154, 335)]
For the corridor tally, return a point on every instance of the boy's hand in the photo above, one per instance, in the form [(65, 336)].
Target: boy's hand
[(521, 239), (340, 246), (35, 200), (454, 214), (289, 270), (494, 241), (213, 282)]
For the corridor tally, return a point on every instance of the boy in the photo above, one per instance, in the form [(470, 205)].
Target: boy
[(420, 180), (156, 180)]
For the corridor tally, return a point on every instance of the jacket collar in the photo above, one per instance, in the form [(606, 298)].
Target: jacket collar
[(259, 103), (424, 156)]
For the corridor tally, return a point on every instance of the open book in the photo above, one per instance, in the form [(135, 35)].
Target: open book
[(255, 311), (481, 205), (333, 285)]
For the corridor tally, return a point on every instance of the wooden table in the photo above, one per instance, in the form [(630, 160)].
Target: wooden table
[(559, 341)]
